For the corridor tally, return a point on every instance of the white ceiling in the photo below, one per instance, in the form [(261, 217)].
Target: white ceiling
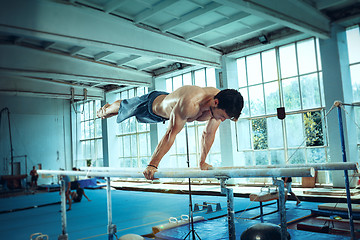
[(48, 47)]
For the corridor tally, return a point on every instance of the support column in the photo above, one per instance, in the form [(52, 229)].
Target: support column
[(337, 86), (105, 139), (64, 235), (227, 78)]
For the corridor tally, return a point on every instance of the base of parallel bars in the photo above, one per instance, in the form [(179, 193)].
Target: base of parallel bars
[(63, 237)]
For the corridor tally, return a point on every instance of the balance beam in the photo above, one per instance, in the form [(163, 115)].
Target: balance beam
[(175, 173)]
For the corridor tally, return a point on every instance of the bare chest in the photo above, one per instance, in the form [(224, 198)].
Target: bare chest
[(201, 116)]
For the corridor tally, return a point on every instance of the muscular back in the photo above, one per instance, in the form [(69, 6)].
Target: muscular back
[(192, 102)]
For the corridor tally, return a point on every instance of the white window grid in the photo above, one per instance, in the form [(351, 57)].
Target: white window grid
[(284, 154)]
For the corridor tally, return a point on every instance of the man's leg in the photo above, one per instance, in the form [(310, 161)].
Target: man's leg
[(68, 198), (294, 196), (109, 110)]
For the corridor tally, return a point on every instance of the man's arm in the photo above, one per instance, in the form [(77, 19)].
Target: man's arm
[(207, 140), (86, 196), (176, 122)]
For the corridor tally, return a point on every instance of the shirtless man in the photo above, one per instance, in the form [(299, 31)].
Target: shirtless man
[(186, 104)]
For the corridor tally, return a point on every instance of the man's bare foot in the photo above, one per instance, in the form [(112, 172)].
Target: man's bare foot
[(205, 166), (109, 110)]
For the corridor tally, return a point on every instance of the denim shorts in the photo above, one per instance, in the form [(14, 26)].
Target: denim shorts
[(141, 108)]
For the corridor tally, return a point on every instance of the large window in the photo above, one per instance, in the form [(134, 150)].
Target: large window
[(133, 137), (88, 149), (353, 42), (288, 76), (177, 154)]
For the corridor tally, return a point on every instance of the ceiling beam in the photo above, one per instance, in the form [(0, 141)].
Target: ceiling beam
[(102, 55), (152, 63), (154, 10), (127, 60), (36, 87), (216, 25), (243, 33), (295, 14), (64, 67), (82, 26), (189, 16), (113, 5)]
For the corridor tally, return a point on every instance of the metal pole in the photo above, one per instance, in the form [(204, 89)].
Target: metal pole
[(190, 197), (282, 209), (230, 207), (64, 235), (111, 227), (347, 185)]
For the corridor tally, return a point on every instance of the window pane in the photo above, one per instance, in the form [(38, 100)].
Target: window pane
[(269, 65), (191, 140), (272, 97), (91, 110), (127, 148), (143, 145), (357, 120), (296, 156), (216, 145), (142, 126), (131, 93), (169, 87), (241, 72), (245, 111), (181, 142), (310, 91), (353, 39), (294, 130), (275, 134), (243, 134), (277, 157), (249, 161), (259, 130), (133, 145), (187, 79), (253, 69), (87, 130), (316, 155), (256, 95), (210, 77), (215, 160), (98, 128), (355, 81), (121, 146), (318, 56), (313, 129), (291, 94), (92, 129), (86, 110), (200, 78), (288, 61), (261, 158), (177, 82), (306, 56)]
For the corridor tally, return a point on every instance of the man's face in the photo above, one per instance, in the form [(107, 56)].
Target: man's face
[(219, 114)]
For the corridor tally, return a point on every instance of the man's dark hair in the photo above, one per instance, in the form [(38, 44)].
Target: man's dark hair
[(231, 101)]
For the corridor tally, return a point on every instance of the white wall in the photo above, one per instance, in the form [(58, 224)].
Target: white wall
[(40, 129)]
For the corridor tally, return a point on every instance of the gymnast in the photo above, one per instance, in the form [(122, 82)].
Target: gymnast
[(186, 104)]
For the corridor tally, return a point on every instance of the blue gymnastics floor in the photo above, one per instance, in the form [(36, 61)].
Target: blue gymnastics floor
[(133, 212)]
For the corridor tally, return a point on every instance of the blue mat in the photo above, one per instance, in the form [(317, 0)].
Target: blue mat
[(28, 201), (133, 212)]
